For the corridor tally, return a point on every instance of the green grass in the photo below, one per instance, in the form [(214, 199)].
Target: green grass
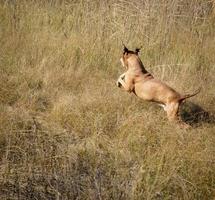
[(67, 131)]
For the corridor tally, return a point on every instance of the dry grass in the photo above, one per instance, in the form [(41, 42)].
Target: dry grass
[(67, 131)]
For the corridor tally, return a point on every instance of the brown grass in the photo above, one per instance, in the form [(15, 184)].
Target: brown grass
[(67, 131)]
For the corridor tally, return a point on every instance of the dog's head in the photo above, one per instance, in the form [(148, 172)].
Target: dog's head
[(128, 54)]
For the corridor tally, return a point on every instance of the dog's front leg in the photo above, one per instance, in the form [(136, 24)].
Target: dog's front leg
[(126, 83), (120, 79)]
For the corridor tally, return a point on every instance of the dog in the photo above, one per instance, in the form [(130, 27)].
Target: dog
[(139, 81)]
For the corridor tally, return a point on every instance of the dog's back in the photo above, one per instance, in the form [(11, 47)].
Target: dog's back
[(152, 89)]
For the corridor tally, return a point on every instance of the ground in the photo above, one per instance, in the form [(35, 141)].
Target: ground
[(67, 131)]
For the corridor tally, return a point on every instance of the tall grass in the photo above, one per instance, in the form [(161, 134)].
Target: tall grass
[(67, 131)]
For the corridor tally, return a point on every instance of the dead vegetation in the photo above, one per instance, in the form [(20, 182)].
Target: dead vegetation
[(67, 131)]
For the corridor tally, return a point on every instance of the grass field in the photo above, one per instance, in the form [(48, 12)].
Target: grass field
[(67, 132)]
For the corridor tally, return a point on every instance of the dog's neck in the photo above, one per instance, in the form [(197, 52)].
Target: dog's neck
[(135, 64)]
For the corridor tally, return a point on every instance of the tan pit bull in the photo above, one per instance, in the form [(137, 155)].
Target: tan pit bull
[(139, 81)]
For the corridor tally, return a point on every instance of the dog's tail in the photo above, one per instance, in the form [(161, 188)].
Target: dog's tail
[(183, 97)]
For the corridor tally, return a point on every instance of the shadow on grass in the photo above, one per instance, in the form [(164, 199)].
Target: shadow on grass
[(195, 115)]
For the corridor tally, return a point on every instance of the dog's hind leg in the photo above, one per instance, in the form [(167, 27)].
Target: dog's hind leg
[(172, 111), (172, 114)]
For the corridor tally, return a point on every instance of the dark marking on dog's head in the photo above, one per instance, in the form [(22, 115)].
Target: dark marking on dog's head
[(127, 51), (127, 54)]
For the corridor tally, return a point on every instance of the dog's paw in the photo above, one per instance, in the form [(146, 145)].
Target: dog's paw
[(118, 84)]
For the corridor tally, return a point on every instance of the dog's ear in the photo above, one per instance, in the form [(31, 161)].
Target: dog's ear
[(125, 49), (137, 50)]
